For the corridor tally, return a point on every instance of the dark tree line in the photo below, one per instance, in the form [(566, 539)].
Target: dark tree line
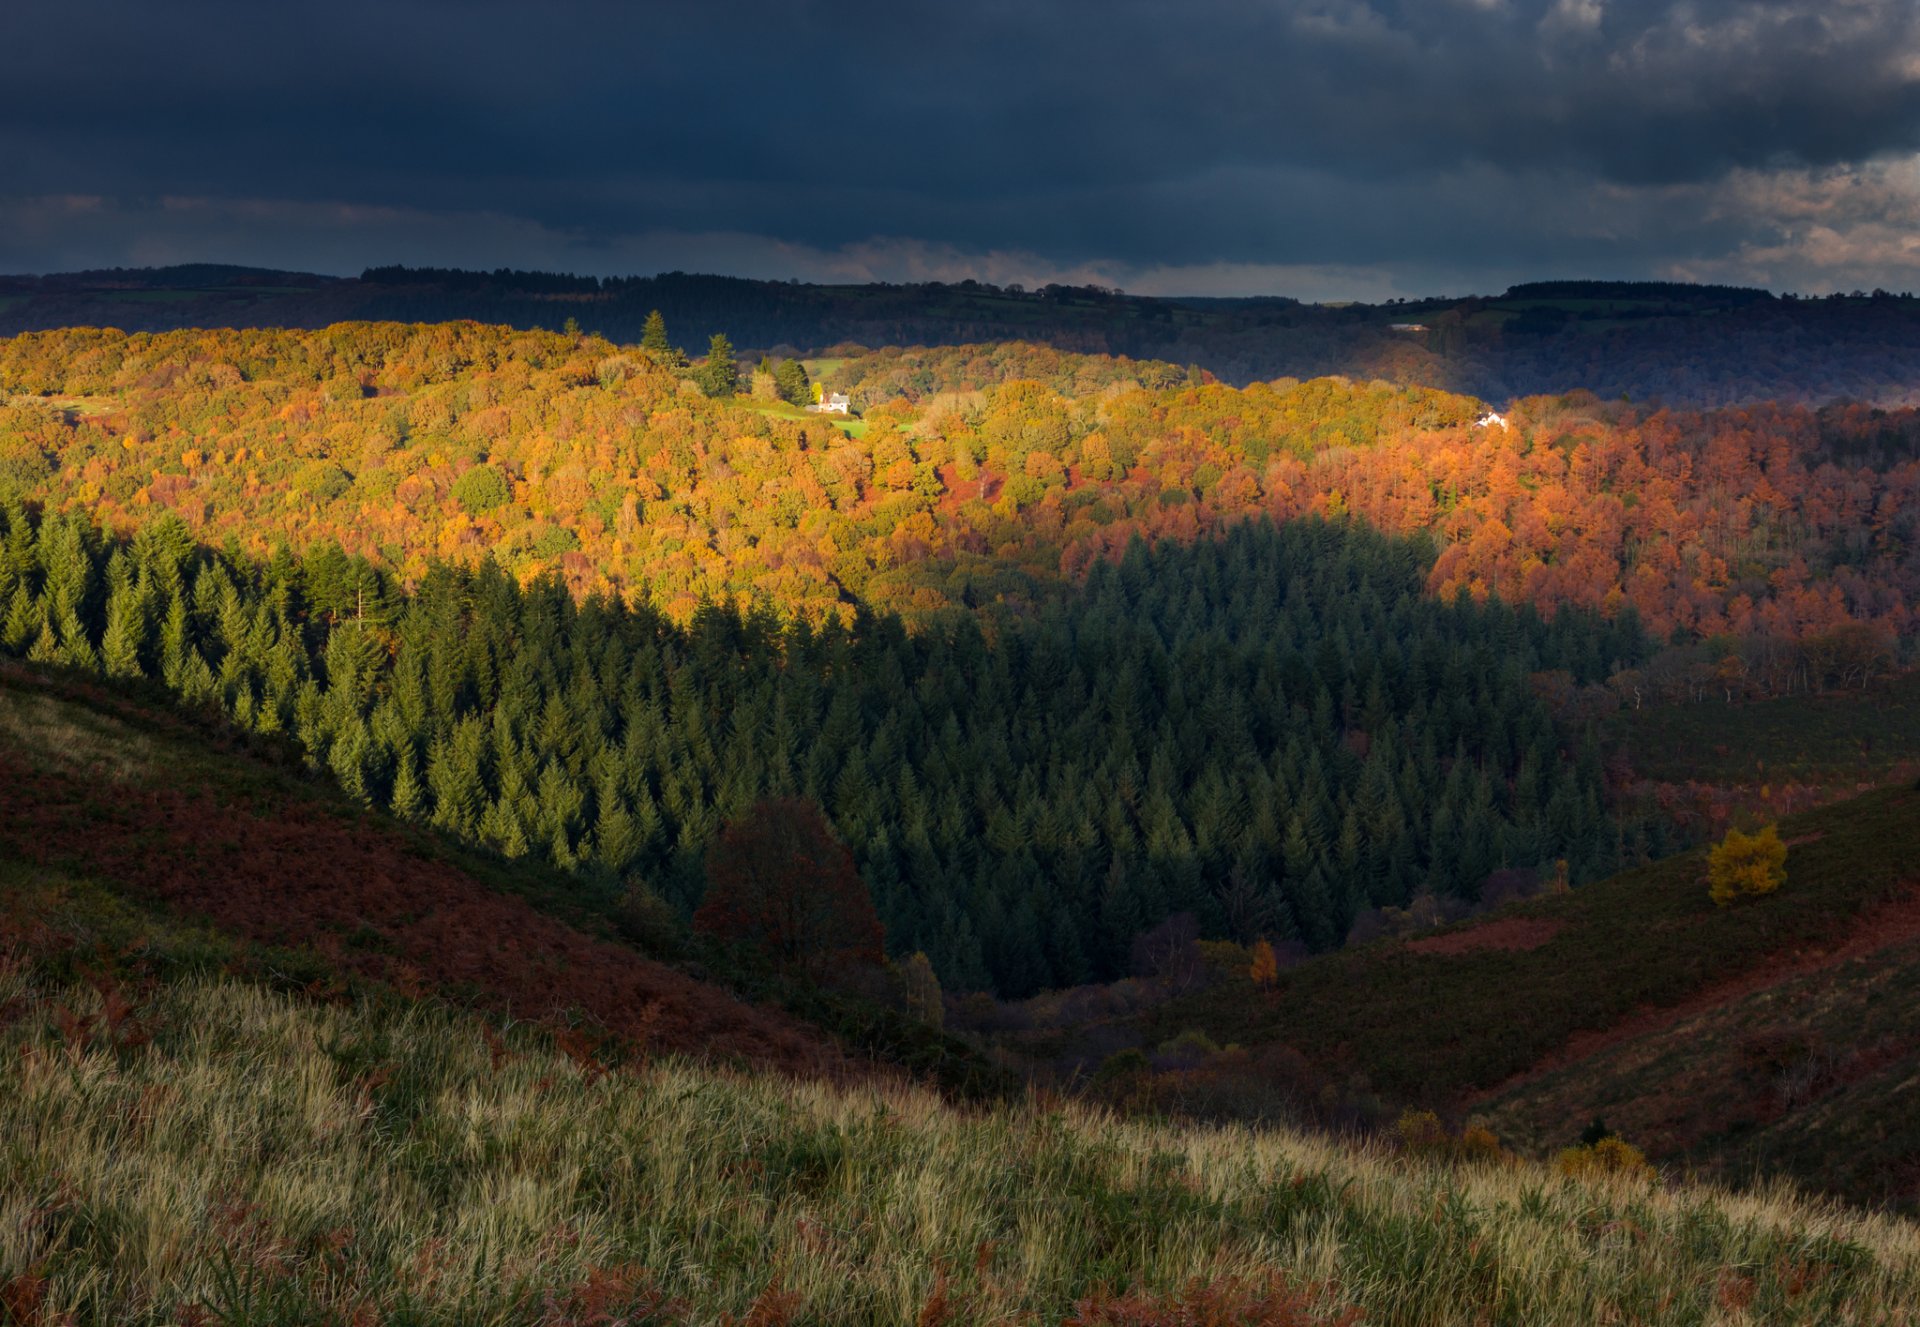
[(1681, 344), (1273, 732)]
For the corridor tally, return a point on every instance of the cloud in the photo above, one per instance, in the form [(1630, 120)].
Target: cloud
[(1459, 140), (1842, 228)]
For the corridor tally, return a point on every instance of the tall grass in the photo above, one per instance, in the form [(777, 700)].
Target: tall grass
[(225, 1153)]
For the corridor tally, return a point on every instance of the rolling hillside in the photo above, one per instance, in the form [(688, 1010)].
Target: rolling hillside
[(255, 1070), (1771, 1037), (115, 813)]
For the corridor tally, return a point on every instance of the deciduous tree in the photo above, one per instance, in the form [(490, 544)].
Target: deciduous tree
[(779, 882), (1746, 865)]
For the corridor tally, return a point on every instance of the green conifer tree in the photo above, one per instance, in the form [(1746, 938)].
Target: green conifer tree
[(409, 800), (653, 335), (720, 375)]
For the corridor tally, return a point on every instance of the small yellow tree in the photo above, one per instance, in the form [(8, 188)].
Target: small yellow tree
[(1743, 865), (1266, 965)]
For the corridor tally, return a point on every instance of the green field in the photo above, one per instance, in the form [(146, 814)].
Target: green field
[(79, 405), (847, 424)]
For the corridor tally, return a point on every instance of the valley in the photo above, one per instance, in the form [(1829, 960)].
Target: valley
[(1283, 809)]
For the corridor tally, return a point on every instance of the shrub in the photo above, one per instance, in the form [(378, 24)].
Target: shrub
[(481, 489), (1479, 1143), (1421, 1134), (1120, 1066), (649, 921), (921, 989), (1612, 1155), (1746, 865), (1185, 1050)]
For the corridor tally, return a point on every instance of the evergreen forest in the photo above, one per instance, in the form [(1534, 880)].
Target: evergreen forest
[(1272, 732)]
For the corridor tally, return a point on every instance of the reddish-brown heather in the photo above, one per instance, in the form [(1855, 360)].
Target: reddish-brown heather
[(378, 906)]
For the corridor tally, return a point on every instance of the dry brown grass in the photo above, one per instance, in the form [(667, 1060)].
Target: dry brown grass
[(264, 1159)]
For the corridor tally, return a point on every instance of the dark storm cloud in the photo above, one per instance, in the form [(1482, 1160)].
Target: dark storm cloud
[(1440, 134)]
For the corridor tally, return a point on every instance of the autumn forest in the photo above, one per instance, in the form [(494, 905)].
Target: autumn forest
[(1063, 645)]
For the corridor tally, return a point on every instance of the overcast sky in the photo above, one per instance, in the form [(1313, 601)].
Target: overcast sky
[(1319, 148)]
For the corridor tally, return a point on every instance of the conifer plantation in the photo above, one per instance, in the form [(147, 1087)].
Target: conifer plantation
[(1273, 732)]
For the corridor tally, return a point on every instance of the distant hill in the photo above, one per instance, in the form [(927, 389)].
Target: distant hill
[(1682, 344)]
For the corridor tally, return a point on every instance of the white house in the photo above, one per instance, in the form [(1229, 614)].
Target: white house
[(833, 403), (1491, 418)]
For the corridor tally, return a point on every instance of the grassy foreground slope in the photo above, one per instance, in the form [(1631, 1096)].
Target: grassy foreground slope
[(266, 1159), (163, 812)]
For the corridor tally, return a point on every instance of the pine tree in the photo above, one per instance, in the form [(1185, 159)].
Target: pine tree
[(653, 335), (502, 830), (176, 641), (46, 646), (23, 621), (720, 375), (409, 800), (616, 839), (790, 380)]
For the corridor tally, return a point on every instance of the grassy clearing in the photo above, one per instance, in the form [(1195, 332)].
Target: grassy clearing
[(853, 428), (267, 1159), (79, 405)]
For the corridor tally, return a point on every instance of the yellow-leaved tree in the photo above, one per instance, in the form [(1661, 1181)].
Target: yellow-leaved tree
[(1746, 865)]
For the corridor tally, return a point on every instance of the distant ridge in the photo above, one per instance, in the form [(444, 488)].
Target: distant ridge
[(1678, 344), (180, 276), (1685, 291)]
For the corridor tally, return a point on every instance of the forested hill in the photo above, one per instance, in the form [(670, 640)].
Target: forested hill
[(979, 475), (1271, 733), (1681, 344)]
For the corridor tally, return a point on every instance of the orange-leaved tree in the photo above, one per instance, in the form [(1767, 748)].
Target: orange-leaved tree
[(1265, 968), (1742, 865), (779, 882)]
